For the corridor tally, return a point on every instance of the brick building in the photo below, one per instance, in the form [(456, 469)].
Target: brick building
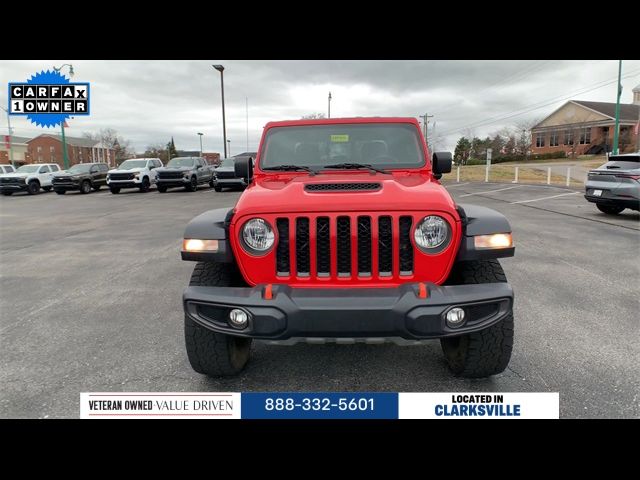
[(18, 146), (580, 127), (47, 148)]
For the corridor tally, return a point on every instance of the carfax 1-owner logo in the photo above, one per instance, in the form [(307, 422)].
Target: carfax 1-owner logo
[(48, 98)]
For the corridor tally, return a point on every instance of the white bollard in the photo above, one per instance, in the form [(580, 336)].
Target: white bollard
[(516, 180), (486, 174), (568, 176), (458, 174), (548, 175)]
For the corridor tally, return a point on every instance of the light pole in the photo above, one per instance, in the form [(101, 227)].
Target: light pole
[(10, 139), (617, 127), (65, 155), (225, 150), (329, 106), (200, 134), (220, 68)]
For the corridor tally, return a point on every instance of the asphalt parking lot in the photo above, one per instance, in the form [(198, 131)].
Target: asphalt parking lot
[(90, 291)]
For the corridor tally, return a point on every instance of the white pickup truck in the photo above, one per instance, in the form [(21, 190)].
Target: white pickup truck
[(30, 178), (134, 173)]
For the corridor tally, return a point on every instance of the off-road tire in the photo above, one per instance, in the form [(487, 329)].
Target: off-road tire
[(211, 184), (217, 189), (609, 209), (162, 189), (211, 353), (487, 352), (61, 192), (47, 189), (146, 185), (7, 194), (33, 187), (114, 190), (85, 187), (96, 187), (193, 185)]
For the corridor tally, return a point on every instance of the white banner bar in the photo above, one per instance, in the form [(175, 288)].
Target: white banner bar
[(479, 405), (160, 405)]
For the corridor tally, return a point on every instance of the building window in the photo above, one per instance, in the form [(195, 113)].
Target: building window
[(39, 149), (585, 136), (39, 158), (553, 139), (568, 137), (52, 149), (539, 140)]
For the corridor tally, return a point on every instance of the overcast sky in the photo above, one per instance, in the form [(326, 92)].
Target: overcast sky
[(148, 102)]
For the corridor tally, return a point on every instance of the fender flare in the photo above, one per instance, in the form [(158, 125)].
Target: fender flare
[(210, 225), (477, 220)]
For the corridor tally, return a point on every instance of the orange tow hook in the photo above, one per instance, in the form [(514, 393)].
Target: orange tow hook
[(268, 292), (422, 290)]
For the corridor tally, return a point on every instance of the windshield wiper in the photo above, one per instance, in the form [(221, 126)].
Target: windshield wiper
[(290, 168), (356, 166)]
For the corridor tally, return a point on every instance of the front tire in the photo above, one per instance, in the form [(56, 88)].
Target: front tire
[(85, 187), (61, 192), (212, 353), (114, 190), (97, 187), (487, 352), (46, 189), (33, 187), (146, 185), (609, 209), (7, 194), (193, 185), (162, 189)]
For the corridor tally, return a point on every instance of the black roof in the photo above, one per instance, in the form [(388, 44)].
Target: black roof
[(627, 111)]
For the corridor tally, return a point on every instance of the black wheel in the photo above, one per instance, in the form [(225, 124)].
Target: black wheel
[(146, 184), (212, 353), (162, 189), (487, 352), (97, 187), (85, 187), (46, 189), (7, 194), (609, 209), (33, 187), (193, 185), (61, 192), (217, 188), (114, 190)]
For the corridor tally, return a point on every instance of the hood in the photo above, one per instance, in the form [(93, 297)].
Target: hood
[(400, 191), (131, 170), (15, 175), (175, 169), (67, 174)]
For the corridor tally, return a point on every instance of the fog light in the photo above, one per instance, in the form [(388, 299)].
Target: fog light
[(455, 317), (238, 318)]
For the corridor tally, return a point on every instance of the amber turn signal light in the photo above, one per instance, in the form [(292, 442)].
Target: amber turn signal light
[(196, 245), (496, 240)]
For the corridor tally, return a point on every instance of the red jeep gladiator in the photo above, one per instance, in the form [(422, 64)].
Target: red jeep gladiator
[(345, 234)]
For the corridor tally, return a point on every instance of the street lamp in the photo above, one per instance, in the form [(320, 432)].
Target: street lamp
[(220, 68), (10, 139), (200, 134), (225, 151), (65, 155)]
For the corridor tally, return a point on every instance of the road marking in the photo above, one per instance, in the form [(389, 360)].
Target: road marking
[(545, 198), (490, 191), (456, 185)]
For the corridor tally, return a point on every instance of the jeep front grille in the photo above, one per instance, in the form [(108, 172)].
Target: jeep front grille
[(337, 187), (344, 246)]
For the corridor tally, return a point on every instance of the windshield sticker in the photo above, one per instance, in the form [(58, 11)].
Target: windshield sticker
[(339, 138)]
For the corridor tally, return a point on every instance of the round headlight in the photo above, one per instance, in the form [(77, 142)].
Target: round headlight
[(432, 234), (258, 235)]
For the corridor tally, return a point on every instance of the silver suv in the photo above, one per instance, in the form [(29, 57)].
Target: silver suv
[(615, 185)]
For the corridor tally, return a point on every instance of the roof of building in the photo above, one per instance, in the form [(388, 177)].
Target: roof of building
[(627, 111), (15, 139), (73, 141)]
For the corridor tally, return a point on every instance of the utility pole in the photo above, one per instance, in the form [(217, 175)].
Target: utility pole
[(10, 139), (617, 127), (426, 118), (246, 100), (329, 109)]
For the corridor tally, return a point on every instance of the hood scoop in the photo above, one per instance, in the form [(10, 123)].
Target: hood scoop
[(342, 187)]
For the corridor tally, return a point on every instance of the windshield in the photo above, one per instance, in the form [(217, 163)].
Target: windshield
[(28, 168), (227, 162), (626, 162), (80, 168), (181, 162), (383, 145), (129, 164)]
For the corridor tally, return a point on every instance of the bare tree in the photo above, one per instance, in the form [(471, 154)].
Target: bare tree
[(312, 116), (109, 138)]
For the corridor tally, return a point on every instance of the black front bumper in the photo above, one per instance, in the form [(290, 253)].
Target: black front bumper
[(229, 182), (349, 313), (13, 187), (173, 182), (124, 184), (614, 202), (66, 186)]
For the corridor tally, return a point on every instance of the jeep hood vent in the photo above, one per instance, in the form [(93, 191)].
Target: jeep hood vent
[(342, 187)]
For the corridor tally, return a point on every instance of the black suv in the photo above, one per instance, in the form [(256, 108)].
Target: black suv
[(82, 177)]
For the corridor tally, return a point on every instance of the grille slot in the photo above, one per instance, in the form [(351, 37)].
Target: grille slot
[(332, 187), (303, 259), (406, 249), (122, 176), (323, 247), (364, 246), (171, 175), (344, 246), (385, 251), (282, 252)]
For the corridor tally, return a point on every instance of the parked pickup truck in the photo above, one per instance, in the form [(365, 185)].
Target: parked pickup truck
[(137, 173), (81, 177), (186, 172), (28, 178), (345, 234)]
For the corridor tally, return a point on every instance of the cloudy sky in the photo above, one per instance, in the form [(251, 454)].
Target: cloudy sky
[(148, 102)]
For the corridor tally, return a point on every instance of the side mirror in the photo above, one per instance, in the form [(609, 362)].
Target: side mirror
[(243, 168), (441, 163), (198, 167)]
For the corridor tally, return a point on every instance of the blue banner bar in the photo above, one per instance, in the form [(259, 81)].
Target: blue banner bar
[(319, 405)]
